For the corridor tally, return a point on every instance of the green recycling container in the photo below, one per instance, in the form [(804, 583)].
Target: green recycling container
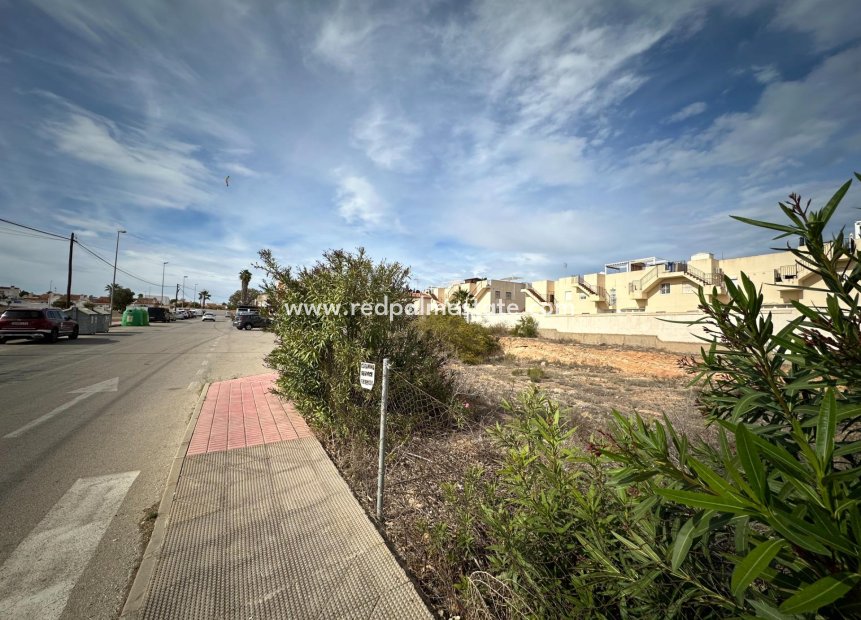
[(144, 316), (132, 317)]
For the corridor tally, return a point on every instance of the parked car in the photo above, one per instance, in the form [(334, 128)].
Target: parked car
[(208, 316), (249, 320), (158, 315), (47, 324)]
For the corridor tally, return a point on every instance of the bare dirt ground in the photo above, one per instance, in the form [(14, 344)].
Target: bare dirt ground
[(590, 381)]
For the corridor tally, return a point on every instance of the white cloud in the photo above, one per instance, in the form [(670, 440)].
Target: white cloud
[(694, 109), (358, 201), (555, 62), (155, 172), (387, 138), (830, 24), (344, 36), (765, 74)]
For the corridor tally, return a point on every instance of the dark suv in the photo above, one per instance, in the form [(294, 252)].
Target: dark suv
[(45, 323), (157, 315), (249, 320)]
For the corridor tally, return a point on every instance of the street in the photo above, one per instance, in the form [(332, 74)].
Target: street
[(88, 432)]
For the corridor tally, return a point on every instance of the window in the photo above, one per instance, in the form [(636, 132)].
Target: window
[(508, 295), (567, 295), (582, 295), (665, 288), (498, 294)]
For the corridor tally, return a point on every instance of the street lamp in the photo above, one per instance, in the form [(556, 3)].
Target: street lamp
[(184, 278), (195, 290), (114, 279), (161, 300)]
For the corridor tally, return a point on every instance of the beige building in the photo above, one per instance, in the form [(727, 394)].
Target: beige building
[(649, 285), (489, 296)]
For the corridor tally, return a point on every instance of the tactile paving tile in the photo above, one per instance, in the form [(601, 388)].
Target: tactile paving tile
[(272, 531)]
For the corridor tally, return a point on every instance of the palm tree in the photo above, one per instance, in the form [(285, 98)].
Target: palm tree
[(204, 295), (245, 279), (462, 298)]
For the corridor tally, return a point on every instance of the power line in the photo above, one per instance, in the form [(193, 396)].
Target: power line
[(110, 264), (57, 237), (18, 233), (44, 232)]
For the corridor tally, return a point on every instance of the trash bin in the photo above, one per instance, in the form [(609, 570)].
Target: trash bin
[(88, 320), (103, 321), (132, 318)]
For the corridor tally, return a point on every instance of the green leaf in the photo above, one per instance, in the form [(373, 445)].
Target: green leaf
[(819, 594), (682, 544), (704, 500), (749, 456), (753, 564), (781, 459), (828, 210), (825, 429), (764, 610), (745, 404)]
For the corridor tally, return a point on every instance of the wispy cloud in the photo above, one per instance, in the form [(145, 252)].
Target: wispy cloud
[(693, 109), (158, 172), (387, 138)]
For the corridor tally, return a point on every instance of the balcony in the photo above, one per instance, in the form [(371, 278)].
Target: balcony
[(639, 289)]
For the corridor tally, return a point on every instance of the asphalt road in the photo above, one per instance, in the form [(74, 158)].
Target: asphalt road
[(74, 453)]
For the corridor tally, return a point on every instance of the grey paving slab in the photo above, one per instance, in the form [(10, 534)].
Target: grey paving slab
[(272, 531)]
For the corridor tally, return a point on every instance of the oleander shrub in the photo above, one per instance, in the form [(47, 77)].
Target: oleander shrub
[(318, 353)]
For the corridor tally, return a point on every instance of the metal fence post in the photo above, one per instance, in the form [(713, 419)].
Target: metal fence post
[(381, 476)]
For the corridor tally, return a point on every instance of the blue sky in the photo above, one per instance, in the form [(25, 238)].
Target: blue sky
[(529, 139)]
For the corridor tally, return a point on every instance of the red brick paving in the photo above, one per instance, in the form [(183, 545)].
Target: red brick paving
[(243, 412)]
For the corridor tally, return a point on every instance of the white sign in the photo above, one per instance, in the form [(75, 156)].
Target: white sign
[(366, 375)]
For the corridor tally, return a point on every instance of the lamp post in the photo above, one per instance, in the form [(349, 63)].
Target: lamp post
[(161, 299), (195, 290), (184, 278), (114, 279)]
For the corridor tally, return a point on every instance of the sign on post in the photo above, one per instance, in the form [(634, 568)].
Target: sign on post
[(366, 375)]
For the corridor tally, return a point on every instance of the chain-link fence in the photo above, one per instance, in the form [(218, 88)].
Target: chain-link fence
[(430, 445)]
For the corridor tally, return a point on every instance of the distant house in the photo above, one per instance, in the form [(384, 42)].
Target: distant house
[(10, 292)]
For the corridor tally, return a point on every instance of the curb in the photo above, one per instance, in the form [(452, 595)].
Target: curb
[(137, 594)]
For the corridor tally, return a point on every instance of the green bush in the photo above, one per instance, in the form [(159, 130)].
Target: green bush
[(318, 354), (561, 539), (527, 327), (471, 342)]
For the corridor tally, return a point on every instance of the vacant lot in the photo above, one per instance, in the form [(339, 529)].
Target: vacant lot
[(591, 382)]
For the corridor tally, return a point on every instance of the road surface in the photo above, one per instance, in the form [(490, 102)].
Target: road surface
[(88, 431)]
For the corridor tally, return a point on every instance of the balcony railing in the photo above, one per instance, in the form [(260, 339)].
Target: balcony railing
[(713, 279)]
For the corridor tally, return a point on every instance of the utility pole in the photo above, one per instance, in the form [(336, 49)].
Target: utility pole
[(161, 299), (176, 298), (69, 281)]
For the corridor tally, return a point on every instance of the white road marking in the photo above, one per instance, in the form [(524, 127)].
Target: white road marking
[(36, 580), (104, 386), (194, 385)]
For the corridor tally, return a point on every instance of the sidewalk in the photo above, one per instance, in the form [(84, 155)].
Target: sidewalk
[(256, 522)]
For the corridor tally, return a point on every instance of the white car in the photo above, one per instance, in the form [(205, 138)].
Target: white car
[(208, 316)]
